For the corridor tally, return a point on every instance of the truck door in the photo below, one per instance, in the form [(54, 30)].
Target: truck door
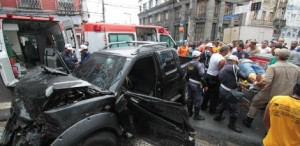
[(159, 121), (6, 67), (170, 74)]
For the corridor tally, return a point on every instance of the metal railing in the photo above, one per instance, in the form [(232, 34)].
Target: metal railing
[(65, 7), (140, 44), (29, 4)]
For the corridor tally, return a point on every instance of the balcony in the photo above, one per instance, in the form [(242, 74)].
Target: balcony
[(29, 4), (261, 23), (66, 7)]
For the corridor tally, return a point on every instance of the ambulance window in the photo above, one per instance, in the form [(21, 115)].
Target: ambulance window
[(120, 38), (70, 37), (168, 40)]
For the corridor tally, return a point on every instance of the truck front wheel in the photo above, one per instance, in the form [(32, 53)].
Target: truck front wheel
[(102, 138)]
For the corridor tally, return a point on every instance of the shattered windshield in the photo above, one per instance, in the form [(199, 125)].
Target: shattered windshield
[(101, 70)]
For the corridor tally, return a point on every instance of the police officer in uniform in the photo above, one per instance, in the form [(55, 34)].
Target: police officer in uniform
[(228, 77), (69, 57), (196, 85)]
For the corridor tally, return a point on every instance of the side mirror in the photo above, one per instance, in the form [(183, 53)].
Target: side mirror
[(120, 103)]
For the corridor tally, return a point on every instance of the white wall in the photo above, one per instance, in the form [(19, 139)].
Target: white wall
[(257, 33)]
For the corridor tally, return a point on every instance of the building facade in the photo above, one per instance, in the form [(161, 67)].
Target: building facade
[(74, 10), (291, 30), (263, 17), (201, 19)]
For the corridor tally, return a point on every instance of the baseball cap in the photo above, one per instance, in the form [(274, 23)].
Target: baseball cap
[(196, 54), (283, 53), (233, 57), (209, 45), (82, 47), (68, 46)]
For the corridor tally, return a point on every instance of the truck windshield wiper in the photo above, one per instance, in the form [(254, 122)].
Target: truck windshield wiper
[(48, 70)]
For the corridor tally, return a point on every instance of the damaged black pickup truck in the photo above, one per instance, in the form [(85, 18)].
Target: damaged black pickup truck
[(134, 93)]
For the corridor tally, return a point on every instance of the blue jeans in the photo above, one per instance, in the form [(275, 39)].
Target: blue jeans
[(251, 67), (195, 94)]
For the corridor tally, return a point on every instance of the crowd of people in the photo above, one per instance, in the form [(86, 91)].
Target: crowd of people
[(216, 72)]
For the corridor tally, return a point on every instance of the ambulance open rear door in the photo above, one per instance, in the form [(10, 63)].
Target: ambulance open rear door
[(6, 66)]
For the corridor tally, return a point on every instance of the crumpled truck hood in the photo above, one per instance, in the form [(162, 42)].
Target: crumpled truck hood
[(32, 89)]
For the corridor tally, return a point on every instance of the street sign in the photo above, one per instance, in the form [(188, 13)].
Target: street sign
[(231, 16)]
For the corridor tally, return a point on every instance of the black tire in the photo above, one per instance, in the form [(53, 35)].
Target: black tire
[(102, 138)]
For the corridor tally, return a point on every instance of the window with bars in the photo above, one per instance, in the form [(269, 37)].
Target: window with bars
[(66, 5), (144, 6), (217, 10), (228, 8), (150, 4), (201, 8), (177, 13), (29, 4), (199, 31)]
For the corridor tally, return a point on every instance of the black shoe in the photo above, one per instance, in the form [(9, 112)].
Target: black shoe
[(235, 128), (247, 122), (232, 125), (219, 118), (190, 110), (198, 117)]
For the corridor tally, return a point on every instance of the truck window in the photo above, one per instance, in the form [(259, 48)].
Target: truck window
[(168, 61), (120, 38), (168, 40)]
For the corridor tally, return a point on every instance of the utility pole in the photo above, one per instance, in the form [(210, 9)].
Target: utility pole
[(103, 11)]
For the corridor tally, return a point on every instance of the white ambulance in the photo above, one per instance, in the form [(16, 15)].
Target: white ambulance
[(25, 42), (100, 34)]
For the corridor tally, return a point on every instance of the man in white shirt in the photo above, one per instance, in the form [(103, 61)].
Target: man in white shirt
[(216, 63), (264, 49)]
